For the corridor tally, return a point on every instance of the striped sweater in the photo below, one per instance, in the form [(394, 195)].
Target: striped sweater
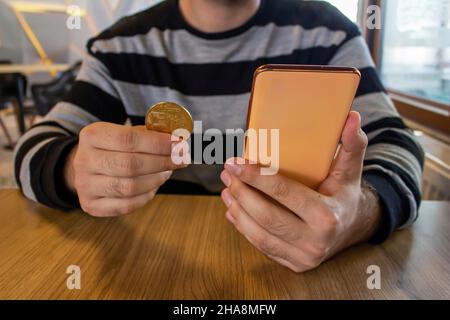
[(156, 55)]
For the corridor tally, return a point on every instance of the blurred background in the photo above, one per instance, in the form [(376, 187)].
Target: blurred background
[(411, 47)]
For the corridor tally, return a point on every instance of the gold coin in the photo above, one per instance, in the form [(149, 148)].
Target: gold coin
[(167, 117)]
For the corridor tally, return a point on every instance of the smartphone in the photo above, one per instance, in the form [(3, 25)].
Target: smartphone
[(309, 106)]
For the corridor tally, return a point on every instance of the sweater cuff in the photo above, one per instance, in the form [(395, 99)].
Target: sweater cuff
[(54, 186), (393, 207)]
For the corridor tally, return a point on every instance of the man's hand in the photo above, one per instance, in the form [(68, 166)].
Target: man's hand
[(299, 227), (116, 169)]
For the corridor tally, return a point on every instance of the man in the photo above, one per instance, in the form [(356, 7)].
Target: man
[(202, 54)]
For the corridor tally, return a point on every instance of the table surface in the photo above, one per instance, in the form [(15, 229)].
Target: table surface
[(32, 68), (182, 247)]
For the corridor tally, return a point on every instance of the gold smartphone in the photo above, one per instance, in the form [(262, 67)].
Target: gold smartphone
[(309, 106)]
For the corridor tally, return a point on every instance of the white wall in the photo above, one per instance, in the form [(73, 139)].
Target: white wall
[(61, 44)]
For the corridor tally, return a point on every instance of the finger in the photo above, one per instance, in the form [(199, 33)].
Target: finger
[(290, 193), (108, 136), (289, 265), (111, 207), (120, 164), (273, 218), (263, 240), (348, 165), (116, 187)]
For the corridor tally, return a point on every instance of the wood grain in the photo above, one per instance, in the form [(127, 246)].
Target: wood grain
[(181, 247)]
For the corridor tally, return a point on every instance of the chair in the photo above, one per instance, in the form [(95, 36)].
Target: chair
[(12, 91), (46, 95)]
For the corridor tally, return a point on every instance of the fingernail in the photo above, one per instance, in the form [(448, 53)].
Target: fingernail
[(226, 178), (233, 167), (227, 198), (230, 217)]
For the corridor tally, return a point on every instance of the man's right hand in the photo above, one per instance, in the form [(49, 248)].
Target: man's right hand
[(117, 169)]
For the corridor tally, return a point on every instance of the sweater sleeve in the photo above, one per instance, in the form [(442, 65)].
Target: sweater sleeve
[(394, 159), (41, 152)]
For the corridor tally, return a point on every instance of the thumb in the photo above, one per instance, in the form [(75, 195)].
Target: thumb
[(348, 165)]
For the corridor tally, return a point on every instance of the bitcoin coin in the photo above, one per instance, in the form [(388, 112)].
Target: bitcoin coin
[(168, 117)]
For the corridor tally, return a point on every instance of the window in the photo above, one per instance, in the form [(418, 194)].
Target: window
[(415, 57), (347, 7)]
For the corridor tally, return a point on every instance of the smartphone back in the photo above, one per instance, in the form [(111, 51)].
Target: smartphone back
[(309, 105)]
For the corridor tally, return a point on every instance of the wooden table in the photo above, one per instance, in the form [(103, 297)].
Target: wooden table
[(181, 247)]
